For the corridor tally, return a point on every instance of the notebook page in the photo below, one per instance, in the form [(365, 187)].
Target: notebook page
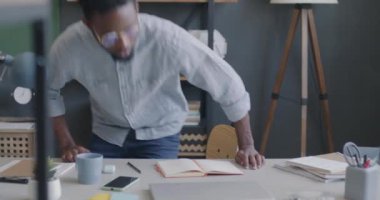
[(178, 167), (218, 167), (63, 168), (7, 165)]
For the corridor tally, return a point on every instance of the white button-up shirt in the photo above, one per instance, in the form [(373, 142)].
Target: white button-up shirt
[(143, 93)]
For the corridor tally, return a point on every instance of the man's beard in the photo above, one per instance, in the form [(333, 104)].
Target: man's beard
[(123, 59)]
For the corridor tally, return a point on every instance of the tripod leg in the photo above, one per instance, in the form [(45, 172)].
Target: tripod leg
[(304, 81), (279, 79), (321, 79)]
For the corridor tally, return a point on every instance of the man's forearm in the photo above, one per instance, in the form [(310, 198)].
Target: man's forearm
[(243, 132), (247, 155), (62, 132)]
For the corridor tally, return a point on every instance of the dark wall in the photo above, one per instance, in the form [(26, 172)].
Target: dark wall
[(256, 32)]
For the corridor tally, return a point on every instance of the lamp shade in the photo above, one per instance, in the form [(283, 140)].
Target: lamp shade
[(22, 71), (304, 1)]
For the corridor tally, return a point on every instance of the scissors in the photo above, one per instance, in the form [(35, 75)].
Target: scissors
[(352, 154)]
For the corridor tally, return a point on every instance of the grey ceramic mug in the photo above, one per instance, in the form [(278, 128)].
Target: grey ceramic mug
[(89, 167)]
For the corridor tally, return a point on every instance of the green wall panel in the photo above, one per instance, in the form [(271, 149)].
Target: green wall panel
[(15, 38)]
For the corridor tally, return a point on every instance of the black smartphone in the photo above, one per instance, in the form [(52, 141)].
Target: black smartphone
[(120, 183)]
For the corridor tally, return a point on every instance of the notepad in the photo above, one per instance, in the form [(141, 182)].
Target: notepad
[(194, 168), (101, 196)]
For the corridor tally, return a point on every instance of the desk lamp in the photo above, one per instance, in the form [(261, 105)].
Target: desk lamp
[(19, 71), (302, 10), (5, 60)]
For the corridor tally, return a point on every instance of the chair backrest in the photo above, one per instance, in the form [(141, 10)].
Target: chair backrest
[(222, 143)]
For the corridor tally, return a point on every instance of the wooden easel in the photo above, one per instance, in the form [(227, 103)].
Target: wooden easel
[(305, 12)]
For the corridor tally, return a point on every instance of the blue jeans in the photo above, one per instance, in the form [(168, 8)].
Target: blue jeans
[(166, 147)]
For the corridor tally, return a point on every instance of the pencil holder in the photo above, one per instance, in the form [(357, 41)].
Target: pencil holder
[(362, 183)]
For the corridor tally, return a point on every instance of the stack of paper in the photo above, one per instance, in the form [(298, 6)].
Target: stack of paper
[(194, 115), (16, 126), (324, 168)]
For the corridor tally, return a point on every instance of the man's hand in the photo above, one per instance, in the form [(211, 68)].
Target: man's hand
[(248, 157), (69, 153), (67, 145)]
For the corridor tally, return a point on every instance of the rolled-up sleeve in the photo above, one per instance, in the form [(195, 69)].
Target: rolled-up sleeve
[(55, 103), (57, 77), (206, 70)]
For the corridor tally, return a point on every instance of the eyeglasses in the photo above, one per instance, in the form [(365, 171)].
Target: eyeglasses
[(109, 40)]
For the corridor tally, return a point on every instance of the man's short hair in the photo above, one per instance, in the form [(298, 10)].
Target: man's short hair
[(90, 7)]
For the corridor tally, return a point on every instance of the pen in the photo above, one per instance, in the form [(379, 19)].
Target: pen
[(14, 180), (134, 167), (367, 162), (357, 160)]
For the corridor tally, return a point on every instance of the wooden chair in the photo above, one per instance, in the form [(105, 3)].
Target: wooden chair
[(222, 143)]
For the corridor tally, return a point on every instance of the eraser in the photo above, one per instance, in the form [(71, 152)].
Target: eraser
[(109, 169)]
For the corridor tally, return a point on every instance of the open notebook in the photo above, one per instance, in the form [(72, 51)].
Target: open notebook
[(24, 168), (193, 168), (221, 190)]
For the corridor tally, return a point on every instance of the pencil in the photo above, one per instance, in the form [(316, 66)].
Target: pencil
[(134, 167)]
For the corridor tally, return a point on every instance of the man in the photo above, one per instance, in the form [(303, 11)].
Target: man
[(130, 65)]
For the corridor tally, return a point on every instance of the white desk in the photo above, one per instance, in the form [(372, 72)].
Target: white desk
[(280, 183)]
